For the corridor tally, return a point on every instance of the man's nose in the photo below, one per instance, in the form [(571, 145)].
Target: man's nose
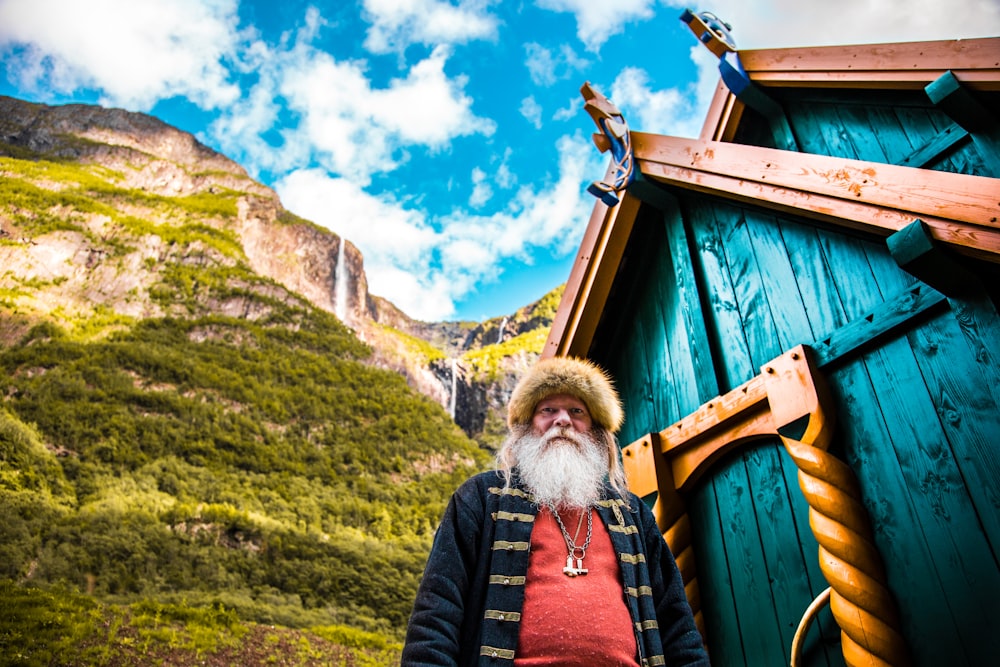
[(562, 418)]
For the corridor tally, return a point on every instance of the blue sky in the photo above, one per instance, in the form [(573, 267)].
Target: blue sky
[(445, 139)]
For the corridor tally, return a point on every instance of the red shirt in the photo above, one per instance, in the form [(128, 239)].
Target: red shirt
[(581, 620)]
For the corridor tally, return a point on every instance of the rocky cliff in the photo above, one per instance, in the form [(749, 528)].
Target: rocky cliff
[(104, 211)]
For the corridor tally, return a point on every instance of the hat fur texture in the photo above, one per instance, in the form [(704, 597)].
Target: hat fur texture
[(579, 378)]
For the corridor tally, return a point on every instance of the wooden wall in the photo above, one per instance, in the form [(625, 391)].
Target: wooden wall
[(709, 292)]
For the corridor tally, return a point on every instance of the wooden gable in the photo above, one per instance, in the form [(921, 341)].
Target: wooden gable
[(835, 228)]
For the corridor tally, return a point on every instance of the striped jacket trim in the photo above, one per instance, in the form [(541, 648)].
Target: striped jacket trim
[(498, 615), (513, 516), (511, 491), (494, 652), (640, 591)]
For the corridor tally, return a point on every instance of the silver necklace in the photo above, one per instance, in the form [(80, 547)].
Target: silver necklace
[(574, 560)]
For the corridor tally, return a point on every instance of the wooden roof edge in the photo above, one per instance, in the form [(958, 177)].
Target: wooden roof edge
[(892, 66), (596, 264), (911, 65), (574, 296), (723, 117)]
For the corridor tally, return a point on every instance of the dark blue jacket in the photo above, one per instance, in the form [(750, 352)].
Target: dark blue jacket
[(468, 606)]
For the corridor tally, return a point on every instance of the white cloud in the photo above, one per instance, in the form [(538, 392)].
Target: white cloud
[(673, 111), (343, 123), (137, 53), (573, 108), (398, 23), (505, 178), (532, 111), (481, 190), (545, 67), (424, 266), (597, 20)]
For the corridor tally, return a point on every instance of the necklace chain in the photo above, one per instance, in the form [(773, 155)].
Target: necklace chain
[(570, 542)]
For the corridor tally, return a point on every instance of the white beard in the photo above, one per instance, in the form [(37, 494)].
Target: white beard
[(559, 473)]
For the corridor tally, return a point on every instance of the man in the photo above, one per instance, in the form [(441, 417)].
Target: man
[(549, 560)]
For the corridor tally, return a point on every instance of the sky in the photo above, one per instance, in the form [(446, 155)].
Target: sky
[(446, 139)]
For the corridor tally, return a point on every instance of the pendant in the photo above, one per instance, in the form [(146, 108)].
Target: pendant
[(574, 569)]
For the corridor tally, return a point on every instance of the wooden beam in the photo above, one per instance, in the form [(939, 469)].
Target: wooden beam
[(962, 211), (951, 96), (911, 65), (723, 115), (590, 278)]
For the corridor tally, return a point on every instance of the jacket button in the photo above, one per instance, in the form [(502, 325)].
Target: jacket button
[(506, 581), (493, 655), (500, 617)]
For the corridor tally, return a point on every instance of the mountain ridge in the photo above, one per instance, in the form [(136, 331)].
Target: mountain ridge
[(153, 159), (194, 427)]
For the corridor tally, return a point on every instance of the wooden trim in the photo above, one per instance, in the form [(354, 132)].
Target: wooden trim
[(788, 399), (723, 117), (906, 66), (590, 278), (962, 211), (910, 65)]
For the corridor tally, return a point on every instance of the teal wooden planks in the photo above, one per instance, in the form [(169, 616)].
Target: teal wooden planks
[(689, 318), (722, 317), (946, 520), (718, 594)]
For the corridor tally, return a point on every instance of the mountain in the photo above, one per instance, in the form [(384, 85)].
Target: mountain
[(206, 419), (167, 175)]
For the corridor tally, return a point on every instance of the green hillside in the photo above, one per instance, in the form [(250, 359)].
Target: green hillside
[(172, 486)]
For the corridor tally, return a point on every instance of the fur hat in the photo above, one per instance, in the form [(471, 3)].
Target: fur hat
[(567, 375)]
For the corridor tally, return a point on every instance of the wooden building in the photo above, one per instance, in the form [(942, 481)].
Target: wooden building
[(799, 309)]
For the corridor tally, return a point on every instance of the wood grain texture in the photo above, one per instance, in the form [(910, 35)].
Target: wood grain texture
[(908, 65), (918, 193)]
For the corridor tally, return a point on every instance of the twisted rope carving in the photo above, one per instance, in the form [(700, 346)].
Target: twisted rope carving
[(647, 471), (678, 537), (860, 600)]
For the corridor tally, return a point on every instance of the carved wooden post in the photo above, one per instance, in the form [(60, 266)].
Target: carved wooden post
[(787, 399)]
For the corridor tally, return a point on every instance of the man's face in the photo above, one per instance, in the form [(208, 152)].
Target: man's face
[(561, 410)]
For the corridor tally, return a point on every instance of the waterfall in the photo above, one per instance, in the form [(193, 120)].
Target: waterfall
[(340, 281), (503, 325), (454, 390)]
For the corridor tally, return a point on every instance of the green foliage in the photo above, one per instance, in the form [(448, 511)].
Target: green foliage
[(90, 176), (183, 484), (99, 322), (39, 627), (72, 191), (55, 626), (417, 348), (485, 361), (257, 465), (33, 206), (201, 629), (211, 204), (546, 307)]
